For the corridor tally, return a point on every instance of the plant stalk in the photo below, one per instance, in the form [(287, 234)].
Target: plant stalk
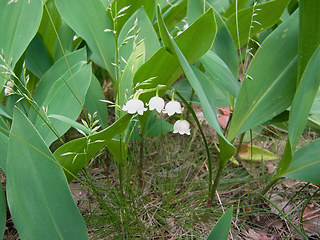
[(216, 183)]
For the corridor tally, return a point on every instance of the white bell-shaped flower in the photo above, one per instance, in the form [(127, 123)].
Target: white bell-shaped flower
[(156, 103), (173, 107), (134, 106), (182, 127)]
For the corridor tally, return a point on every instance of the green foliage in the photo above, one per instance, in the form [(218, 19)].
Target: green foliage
[(306, 94), (4, 151), (19, 22), (221, 228), (75, 154), (305, 164), (3, 211), (89, 19), (309, 37), (37, 189), (271, 76), (59, 59), (255, 19)]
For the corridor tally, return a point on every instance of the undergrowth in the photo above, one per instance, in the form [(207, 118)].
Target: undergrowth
[(169, 200)]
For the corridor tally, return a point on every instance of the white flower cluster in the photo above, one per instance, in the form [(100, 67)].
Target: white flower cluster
[(157, 103)]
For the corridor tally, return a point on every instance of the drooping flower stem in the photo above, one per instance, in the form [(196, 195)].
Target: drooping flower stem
[(204, 141)]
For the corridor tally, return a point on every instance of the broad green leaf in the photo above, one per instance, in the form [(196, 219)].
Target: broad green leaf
[(118, 149), (162, 59), (271, 86), (50, 24), (257, 153), (224, 47), (37, 58), (156, 126), (3, 150), (199, 83), (38, 195), (66, 97), (255, 19), (19, 22), (74, 155), (173, 15), (185, 89), (309, 34), (220, 73), (140, 26), (89, 19), (93, 103), (233, 7), (61, 67), (3, 112), (219, 5), (305, 165), (70, 122), (64, 42), (4, 129), (195, 9), (3, 211), (127, 8), (285, 160), (221, 229), (304, 98)]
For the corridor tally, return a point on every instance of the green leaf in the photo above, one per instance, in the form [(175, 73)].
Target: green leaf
[(267, 14), (219, 5), (62, 67), (93, 103), (305, 165), (156, 126), (70, 122), (19, 23), (66, 97), (118, 149), (221, 229), (304, 98), (195, 9), (89, 19), (148, 6), (233, 6), (50, 24), (258, 153), (3, 211), (74, 155), (173, 15), (285, 160), (38, 195), (4, 151), (272, 87), (220, 73), (198, 81), (309, 34), (37, 58), (162, 59), (145, 32), (64, 41), (224, 47)]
